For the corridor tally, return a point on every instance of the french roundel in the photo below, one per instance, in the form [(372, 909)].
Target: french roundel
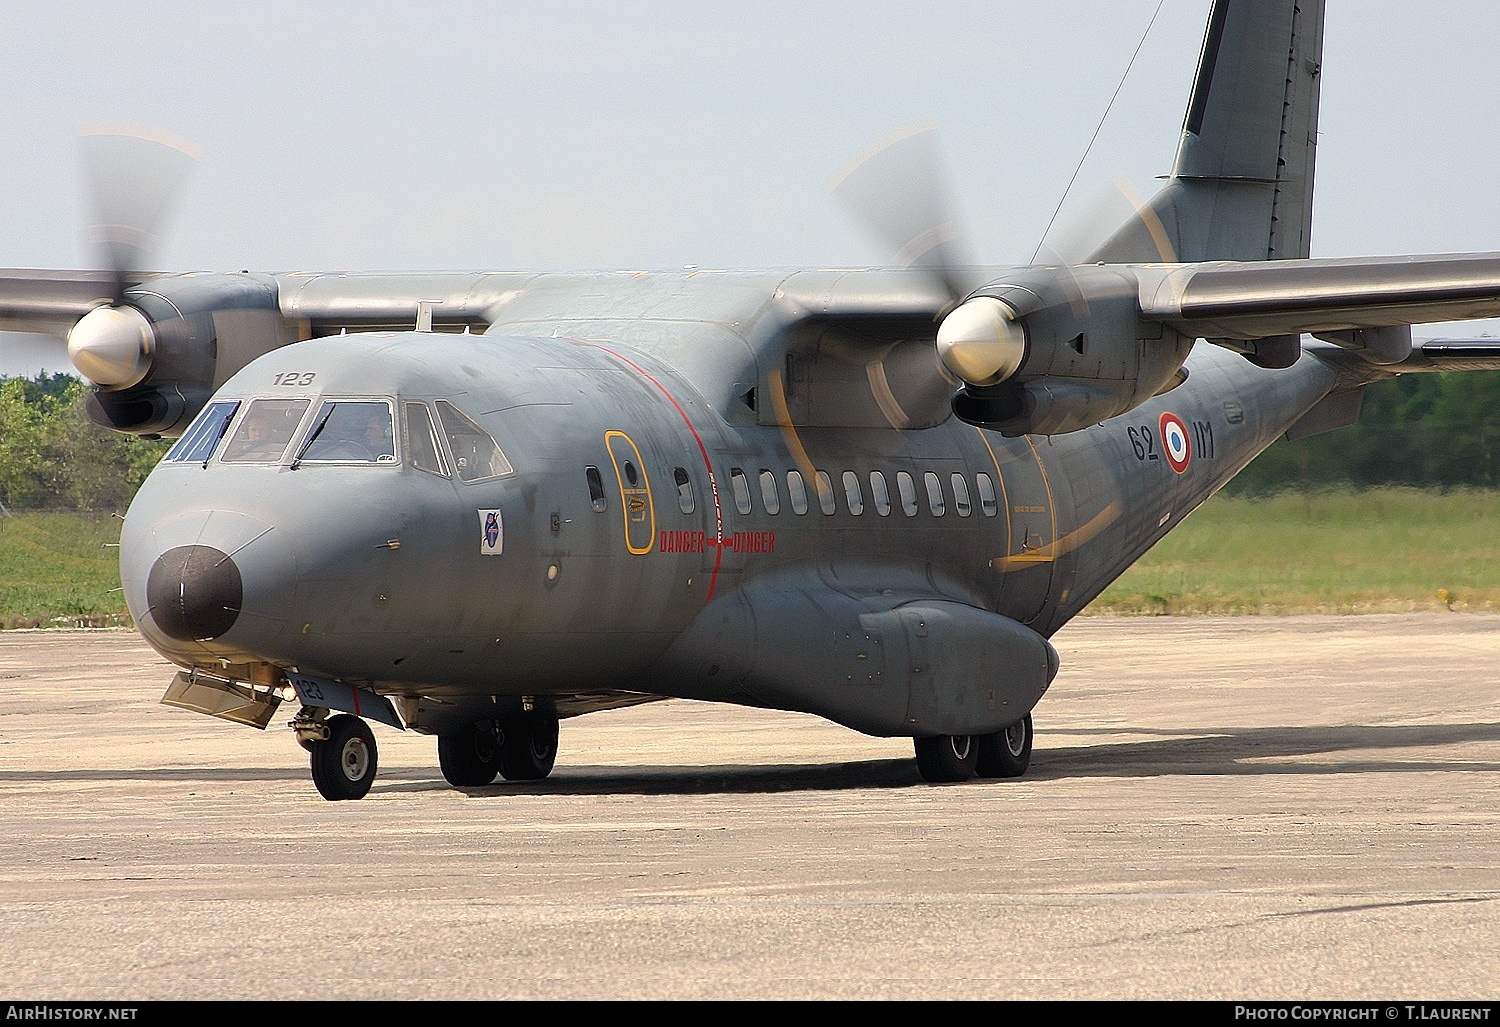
[(1174, 439)]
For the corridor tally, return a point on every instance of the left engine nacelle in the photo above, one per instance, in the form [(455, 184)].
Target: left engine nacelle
[(157, 357), (1045, 351)]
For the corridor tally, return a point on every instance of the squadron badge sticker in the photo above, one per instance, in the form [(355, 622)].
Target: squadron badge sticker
[(491, 535)]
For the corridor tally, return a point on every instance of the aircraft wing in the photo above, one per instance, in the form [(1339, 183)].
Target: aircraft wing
[(50, 302), (1258, 300)]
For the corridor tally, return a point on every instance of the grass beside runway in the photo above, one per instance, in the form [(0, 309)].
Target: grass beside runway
[(60, 570), (1340, 551), (1384, 550)]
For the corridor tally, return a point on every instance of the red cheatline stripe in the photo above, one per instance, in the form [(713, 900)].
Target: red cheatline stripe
[(713, 485)]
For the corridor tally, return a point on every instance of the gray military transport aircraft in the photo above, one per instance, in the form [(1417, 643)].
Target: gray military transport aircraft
[(473, 505)]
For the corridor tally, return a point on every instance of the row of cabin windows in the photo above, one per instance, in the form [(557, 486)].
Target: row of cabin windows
[(907, 495)]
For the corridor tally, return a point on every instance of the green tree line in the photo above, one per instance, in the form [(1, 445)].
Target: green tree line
[(1422, 430), (52, 457)]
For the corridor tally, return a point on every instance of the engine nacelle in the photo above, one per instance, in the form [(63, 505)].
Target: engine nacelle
[(160, 355), (1047, 351)]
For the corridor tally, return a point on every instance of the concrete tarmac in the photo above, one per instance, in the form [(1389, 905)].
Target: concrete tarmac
[(1249, 809)]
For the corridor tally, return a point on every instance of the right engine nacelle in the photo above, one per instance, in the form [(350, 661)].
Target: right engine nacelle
[(1047, 351)]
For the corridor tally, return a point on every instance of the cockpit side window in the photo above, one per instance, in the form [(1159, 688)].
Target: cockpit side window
[(265, 430), (203, 435), (475, 451), (357, 431), (421, 441)]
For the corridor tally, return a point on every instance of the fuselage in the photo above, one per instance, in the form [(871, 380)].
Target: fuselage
[(554, 514)]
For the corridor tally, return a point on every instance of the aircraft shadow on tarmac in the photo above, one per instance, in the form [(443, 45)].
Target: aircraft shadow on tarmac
[(1226, 751), (1175, 752)]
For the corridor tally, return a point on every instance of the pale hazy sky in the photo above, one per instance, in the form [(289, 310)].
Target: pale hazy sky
[(541, 135)]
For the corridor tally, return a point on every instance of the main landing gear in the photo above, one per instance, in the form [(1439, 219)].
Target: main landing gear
[(945, 758), (519, 748)]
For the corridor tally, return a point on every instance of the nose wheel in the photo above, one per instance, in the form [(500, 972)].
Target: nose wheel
[(344, 763)]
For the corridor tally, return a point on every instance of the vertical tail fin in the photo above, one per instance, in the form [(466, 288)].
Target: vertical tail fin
[(1242, 188)]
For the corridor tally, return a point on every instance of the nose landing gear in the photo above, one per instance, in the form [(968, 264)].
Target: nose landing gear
[(343, 762)]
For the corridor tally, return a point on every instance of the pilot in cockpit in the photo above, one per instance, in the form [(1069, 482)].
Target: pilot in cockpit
[(356, 431)]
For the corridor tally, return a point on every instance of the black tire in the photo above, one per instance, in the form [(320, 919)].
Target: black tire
[(470, 756), (344, 764), (946, 758), (1006, 753), (529, 747)]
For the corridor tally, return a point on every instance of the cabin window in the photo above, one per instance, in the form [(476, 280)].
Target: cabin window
[(961, 495), (740, 486), (350, 432), (934, 493), (421, 441), (852, 494), (204, 435), (880, 495), (825, 493), (475, 451), (265, 431), (796, 492), (596, 488), (908, 489), (769, 497), (685, 499), (987, 504)]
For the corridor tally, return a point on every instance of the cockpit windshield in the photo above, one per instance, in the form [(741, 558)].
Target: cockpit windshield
[(203, 435), (342, 431), (265, 431), (351, 431)]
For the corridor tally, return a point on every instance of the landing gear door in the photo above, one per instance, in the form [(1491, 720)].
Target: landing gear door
[(635, 493)]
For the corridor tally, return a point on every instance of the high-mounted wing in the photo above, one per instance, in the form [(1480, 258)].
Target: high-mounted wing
[(49, 302), (1346, 301)]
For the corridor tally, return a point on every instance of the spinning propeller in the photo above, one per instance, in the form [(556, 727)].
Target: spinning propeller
[(135, 181)]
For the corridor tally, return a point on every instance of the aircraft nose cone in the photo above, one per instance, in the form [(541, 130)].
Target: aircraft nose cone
[(194, 592)]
